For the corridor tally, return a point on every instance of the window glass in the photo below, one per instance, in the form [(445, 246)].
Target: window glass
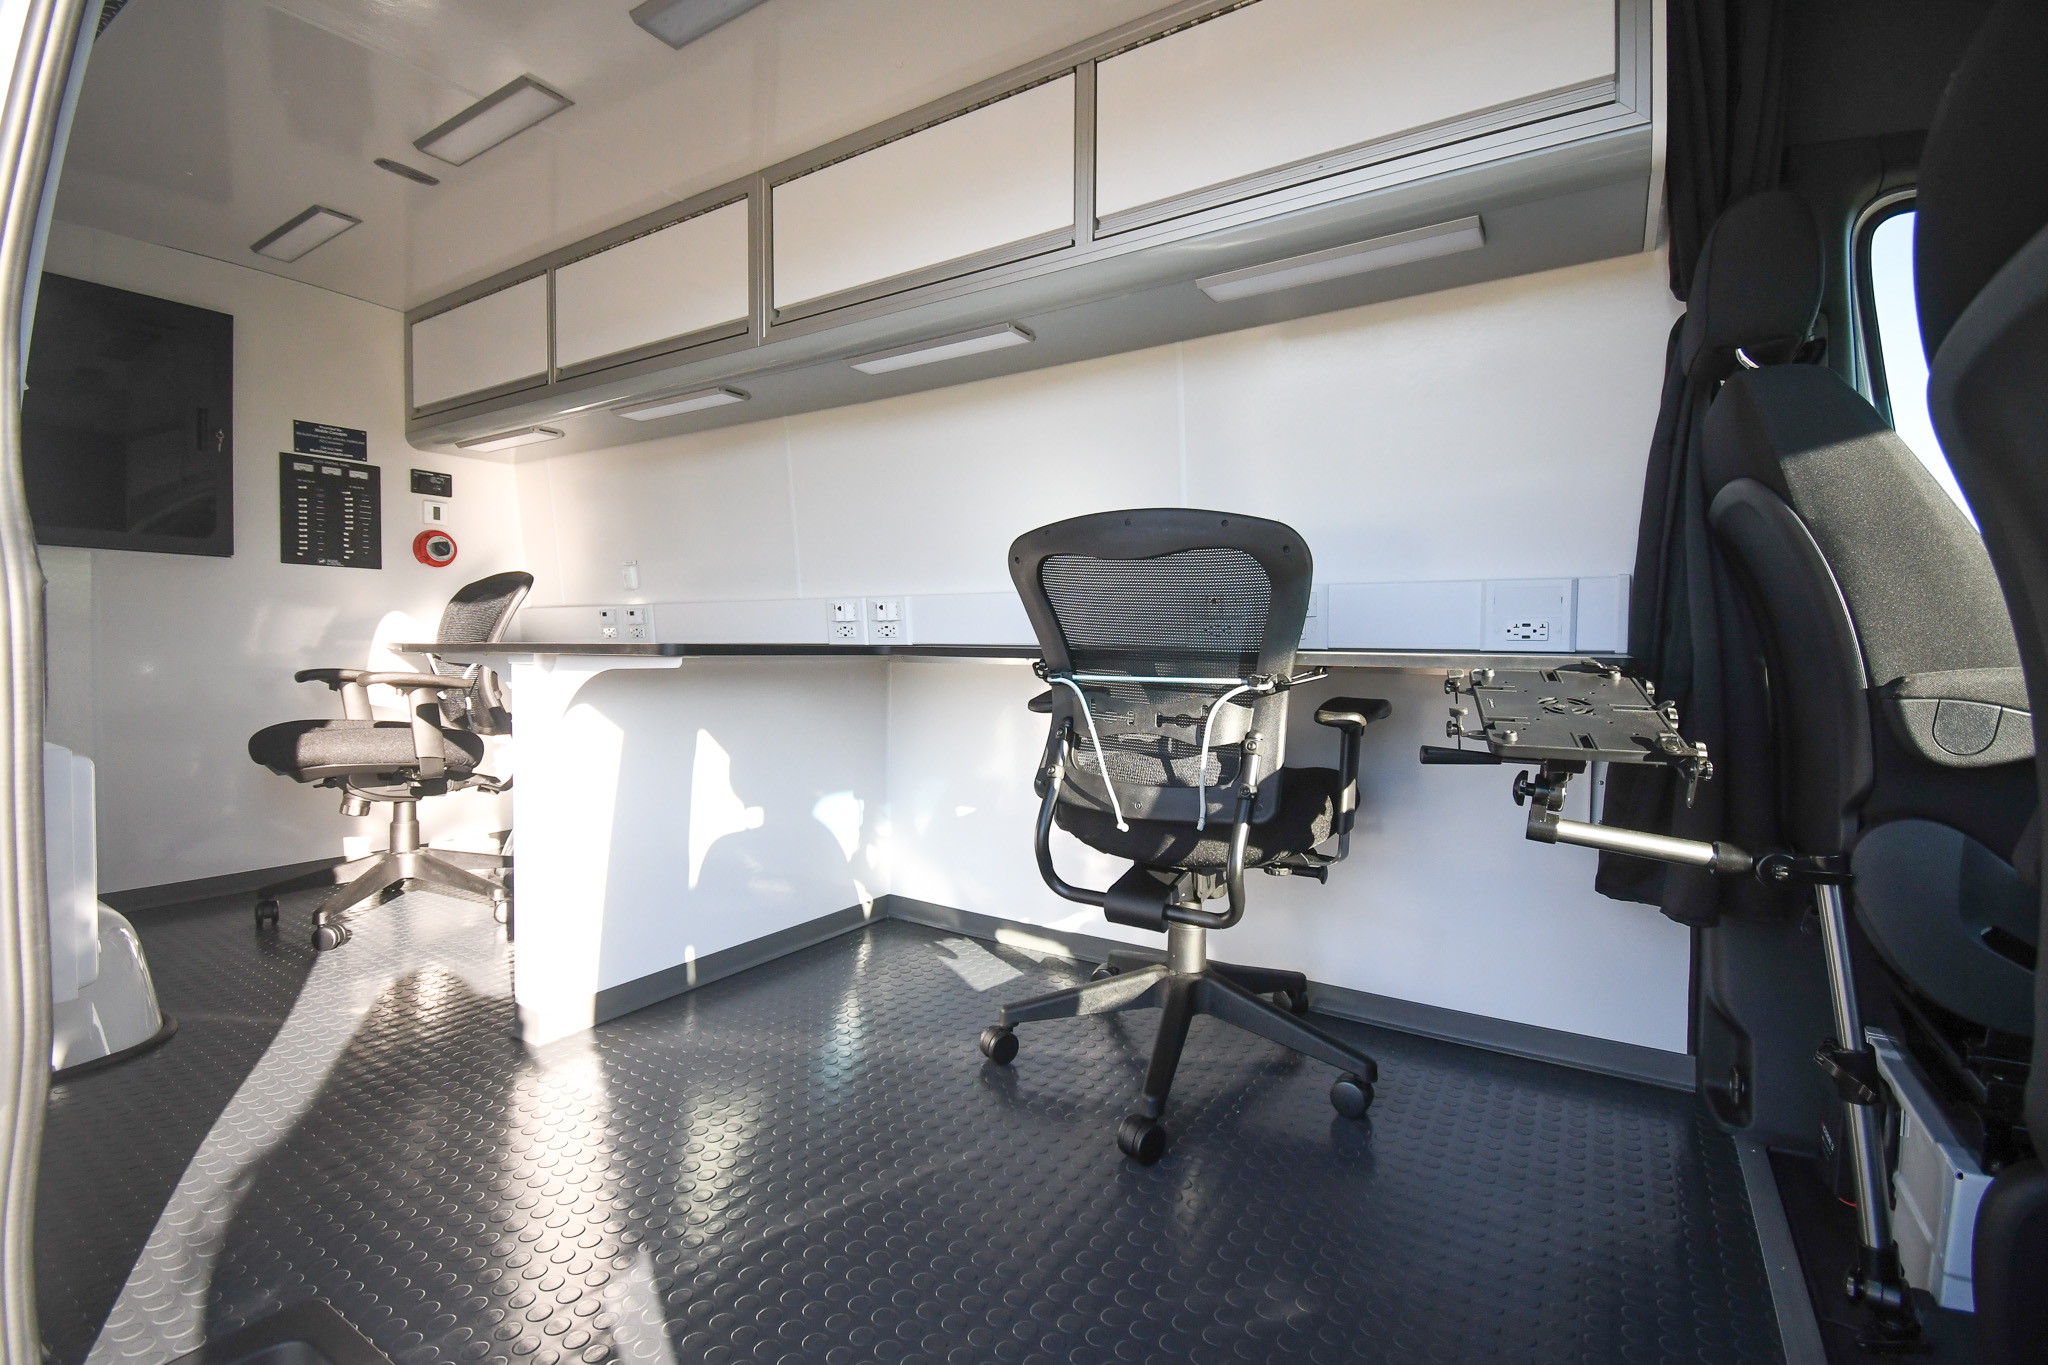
[(1898, 347)]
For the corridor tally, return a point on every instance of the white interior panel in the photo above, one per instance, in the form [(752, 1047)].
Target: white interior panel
[(1001, 174), (201, 651), (670, 283), (1284, 80), (497, 339)]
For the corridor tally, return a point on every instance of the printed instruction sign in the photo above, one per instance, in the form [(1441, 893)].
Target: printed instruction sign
[(336, 443)]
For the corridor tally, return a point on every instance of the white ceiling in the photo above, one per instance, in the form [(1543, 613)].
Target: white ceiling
[(206, 123)]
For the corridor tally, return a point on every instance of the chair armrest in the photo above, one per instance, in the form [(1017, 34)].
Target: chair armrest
[(1353, 714), (1349, 716), (335, 678), (355, 702), (424, 715), (420, 682)]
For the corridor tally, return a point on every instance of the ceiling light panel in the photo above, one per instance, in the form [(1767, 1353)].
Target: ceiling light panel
[(679, 22), (405, 172), (507, 440), (1379, 253), (680, 403), (943, 348), (509, 110), (315, 227)]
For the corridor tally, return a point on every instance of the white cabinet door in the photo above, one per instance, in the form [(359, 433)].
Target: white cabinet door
[(683, 279), (1281, 81), (999, 174), (499, 339)]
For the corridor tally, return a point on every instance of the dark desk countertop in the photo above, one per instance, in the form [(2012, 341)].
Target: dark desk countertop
[(1314, 658)]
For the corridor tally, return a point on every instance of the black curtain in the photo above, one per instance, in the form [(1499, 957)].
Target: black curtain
[(1689, 629), (1724, 115), (1692, 636)]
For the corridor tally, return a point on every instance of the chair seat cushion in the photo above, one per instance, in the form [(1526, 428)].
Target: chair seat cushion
[(311, 750), (1306, 816)]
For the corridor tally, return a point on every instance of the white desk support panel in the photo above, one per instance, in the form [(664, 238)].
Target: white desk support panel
[(560, 923)]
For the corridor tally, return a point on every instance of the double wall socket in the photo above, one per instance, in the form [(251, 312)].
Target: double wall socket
[(1532, 614), (625, 624), (867, 621)]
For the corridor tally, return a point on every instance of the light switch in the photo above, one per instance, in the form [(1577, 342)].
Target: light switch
[(434, 513), (629, 575)]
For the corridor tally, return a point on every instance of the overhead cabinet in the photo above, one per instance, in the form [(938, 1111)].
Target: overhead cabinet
[(489, 345), (1000, 176), (1274, 85), (1072, 206), (687, 280)]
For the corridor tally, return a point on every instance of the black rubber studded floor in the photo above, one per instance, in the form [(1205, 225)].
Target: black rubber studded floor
[(116, 1141), (811, 1162)]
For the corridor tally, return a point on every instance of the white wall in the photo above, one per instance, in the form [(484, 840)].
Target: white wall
[(163, 665), (1446, 436)]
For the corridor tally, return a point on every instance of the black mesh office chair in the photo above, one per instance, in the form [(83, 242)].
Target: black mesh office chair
[(1169, 637), (434, 752)]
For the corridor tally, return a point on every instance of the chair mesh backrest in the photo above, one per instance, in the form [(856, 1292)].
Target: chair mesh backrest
[(1194, 613), (479, 612), (1199, 612)]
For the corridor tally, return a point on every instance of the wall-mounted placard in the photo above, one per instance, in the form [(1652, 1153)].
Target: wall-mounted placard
[(336, 443), (433, 483), (328, 513)]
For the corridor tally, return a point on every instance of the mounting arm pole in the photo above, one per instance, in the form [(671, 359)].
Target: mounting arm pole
[(1546, 828)]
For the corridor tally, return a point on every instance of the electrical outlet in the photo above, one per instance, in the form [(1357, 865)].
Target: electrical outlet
[(1532, 614), (843, 621), (607, 623), (635, 624), (888, 621)]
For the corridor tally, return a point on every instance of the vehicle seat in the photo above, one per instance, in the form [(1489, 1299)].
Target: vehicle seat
[(1901, 726)]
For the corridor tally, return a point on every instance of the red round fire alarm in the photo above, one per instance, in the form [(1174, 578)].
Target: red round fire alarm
[(436, 548)]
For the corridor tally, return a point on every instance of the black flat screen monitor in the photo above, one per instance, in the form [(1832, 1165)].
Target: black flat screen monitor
[(128, 437)]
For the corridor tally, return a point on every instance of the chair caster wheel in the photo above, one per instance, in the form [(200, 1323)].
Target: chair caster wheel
[(1294, 1002), (328, 936), (1141, 1139), (1351, 1096), (501, 910), (999, 1044), (266, 913), (1104, 971), (391, 893)]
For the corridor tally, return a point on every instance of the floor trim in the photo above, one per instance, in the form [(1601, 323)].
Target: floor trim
[(1604, 1056), (1798, 1331), (1630, 1061), (206, 888), (642, 991)]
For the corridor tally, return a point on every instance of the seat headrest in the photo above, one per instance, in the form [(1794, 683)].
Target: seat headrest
[(1758, 282), (1982, 193)]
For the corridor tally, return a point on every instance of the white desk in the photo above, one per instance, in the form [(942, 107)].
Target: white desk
[(566, 819)]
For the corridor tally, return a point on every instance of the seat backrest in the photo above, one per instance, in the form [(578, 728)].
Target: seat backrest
[(1166, 593), (1863, 575), (1858, 569), (480, 612)]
